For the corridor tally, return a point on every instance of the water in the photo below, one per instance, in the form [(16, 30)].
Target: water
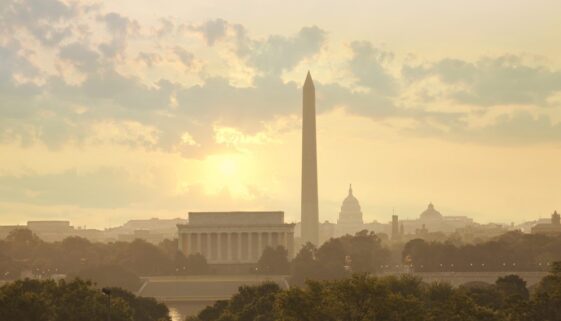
[(179, 311)]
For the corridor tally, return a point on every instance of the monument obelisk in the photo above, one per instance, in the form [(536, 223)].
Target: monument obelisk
[(309, 210)]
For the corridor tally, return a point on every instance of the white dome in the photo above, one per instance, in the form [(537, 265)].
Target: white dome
[(350, 210)]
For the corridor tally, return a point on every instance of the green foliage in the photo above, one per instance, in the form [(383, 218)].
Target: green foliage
[(24, 251), (547, 299), (304, 265), (513, 251), (365, 251), (144, 258), (32, 300), (196, 264), (512, 287), (249, 304), (143, 309), (339, 257), (273, 261), (362, 297)]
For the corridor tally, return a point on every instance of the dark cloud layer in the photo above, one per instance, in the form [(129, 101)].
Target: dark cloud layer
[(493, 81), (47, 111), (279, 53)]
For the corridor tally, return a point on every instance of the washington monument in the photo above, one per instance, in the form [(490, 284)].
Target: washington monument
[(309, 209)]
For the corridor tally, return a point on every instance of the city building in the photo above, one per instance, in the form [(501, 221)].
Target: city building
[(51, 231), (327, 230), (234, 237), (350, 216), (552, 228), (395, 228), (433, 221), (153, 230)]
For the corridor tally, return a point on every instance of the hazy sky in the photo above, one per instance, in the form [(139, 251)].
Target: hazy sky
[(135, 109)]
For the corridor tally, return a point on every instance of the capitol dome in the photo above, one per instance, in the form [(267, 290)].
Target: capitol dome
[(350, 210), (431, 214)]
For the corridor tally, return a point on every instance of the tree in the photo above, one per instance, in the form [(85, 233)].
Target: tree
[(144, 258), (331, 257), (483, 294), (251, 303), (546, 303), (143, 309), (365, 251), (169, 247), (512, 287), (196, 264), (23, 236), (512, 250), (304, 266), (273, 261), (32, 300)]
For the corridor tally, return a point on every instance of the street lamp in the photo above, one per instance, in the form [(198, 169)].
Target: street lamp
[(107, 292)]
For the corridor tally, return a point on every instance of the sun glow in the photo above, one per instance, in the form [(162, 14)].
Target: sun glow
[(228, 166), (227, 173)]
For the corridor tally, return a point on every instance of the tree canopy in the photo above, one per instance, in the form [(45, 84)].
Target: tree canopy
[(513, 251), (34, 300), (363, 297)]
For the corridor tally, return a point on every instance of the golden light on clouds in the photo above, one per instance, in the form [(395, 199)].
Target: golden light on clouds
[(158, 109)]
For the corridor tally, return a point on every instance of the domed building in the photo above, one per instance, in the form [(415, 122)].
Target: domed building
[(553, 228), (350, 217), (432, 220), (430, 214)]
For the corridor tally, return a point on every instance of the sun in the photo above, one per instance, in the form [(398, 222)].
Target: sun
[(228, 166), (227, 172)]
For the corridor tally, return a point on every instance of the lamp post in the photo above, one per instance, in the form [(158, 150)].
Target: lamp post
[(107, 292)]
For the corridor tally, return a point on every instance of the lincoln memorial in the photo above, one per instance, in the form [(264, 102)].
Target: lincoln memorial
[(234, 237)]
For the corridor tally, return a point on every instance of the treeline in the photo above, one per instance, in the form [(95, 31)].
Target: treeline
[(363, 297), (121, 263), (109, 264), (335, 259), (339, 258), (34, 300), (513, 251)]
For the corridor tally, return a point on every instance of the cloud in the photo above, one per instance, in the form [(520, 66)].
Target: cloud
[(150, 59), (119, 27), (516, 129), (278, 53), (103, 188), (42, 105), (367, 65), (212, 30), (184, 56), (80, 55), (45, 20), (493, 81)]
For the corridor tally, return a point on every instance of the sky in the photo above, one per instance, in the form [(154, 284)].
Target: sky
[(118, 110)]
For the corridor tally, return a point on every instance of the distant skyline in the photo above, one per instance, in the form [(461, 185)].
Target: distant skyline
[(111, 111)]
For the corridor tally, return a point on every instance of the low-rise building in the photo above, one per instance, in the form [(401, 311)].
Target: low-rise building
[(552, 228)]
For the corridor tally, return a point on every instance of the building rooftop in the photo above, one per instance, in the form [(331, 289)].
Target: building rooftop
[(431, 213), (236, 218)]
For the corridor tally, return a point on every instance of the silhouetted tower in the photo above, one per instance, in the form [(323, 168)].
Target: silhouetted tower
[(555, 218), (395, 227), (309, 209)]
